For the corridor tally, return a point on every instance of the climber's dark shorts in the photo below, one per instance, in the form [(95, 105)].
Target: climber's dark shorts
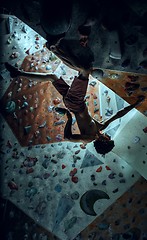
[(74, 95)]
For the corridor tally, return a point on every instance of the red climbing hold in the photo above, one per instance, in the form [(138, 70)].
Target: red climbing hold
[(63, 166), (73, 172), (145, 130), (99, 169), (107, 168), (12, 185), (56, 101), (83, 145), (74, 179)]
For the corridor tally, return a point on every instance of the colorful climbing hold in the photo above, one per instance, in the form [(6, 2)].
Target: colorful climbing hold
[(59, 122), (63, 166), (92, 177), (115, 190), (9, 144), (48, 138), (10, 106), (73, 172), (107, 168), (27, 129), (83, 146), (30, 192), (103, 225), (75, 195), (122, 180), (56, 101), (12, 185), (58, 188), (43, 125), (74, 179), (59, 137), (136, 139), (145, 130), (99, 169), (104, 182), (76, 152), (45, 163)]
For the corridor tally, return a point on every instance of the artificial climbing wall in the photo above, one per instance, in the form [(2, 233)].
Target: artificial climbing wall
[(51, 180)]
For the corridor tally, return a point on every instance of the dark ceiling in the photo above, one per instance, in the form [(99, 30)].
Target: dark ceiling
[(107, 34)]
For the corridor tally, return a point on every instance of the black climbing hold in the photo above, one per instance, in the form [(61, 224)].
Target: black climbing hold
[(115, 190), (104, 182), (92, 177)]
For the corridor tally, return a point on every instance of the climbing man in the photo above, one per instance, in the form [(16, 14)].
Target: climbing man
[(74, 100)]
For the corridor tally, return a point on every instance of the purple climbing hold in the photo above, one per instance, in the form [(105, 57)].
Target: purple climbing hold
[(59, 137), (46, 175), (111, 175)]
